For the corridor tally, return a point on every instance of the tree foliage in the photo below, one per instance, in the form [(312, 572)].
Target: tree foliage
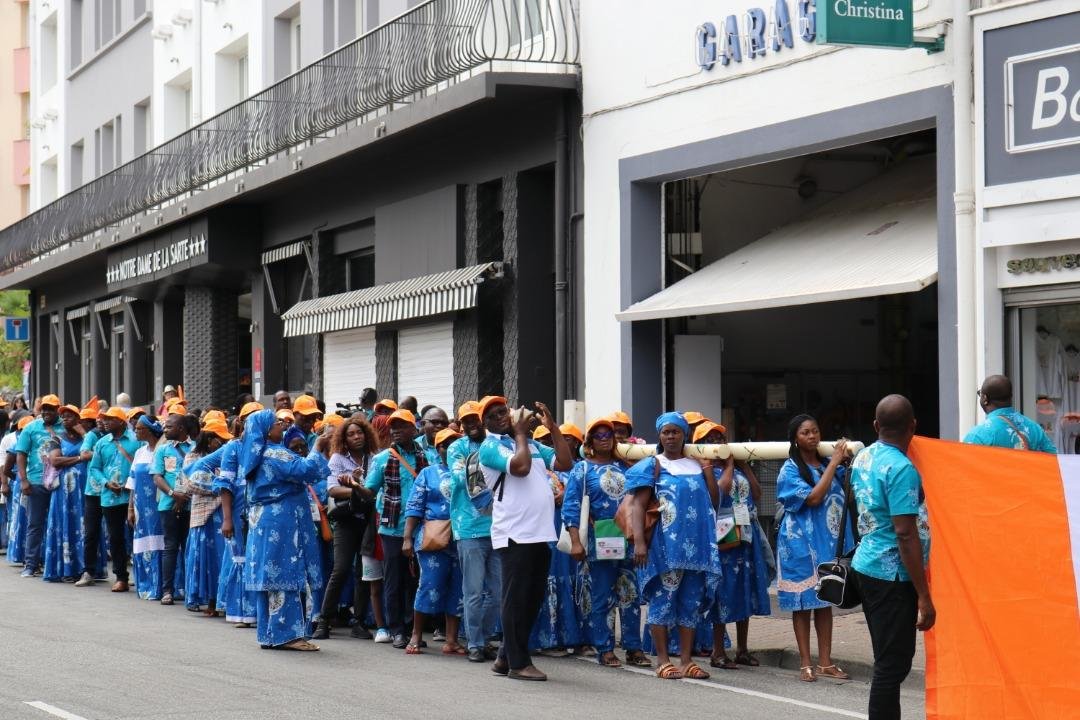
[(14, 303)]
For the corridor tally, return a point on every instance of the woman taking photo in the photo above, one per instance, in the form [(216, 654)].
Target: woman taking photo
[(282, 549), (744, 584), (679, 568), (351, 447), (63, 551), (600, 477), (812, 495)]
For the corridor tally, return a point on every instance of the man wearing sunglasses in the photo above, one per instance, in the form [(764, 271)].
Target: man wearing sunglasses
[(1005, 426)]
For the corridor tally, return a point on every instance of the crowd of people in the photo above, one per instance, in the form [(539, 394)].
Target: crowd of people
[(496, 531)]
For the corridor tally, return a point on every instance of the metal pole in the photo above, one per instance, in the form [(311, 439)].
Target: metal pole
[(562, 171)]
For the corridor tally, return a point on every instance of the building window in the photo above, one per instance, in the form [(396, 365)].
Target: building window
[(86, 353), (141, 137), (178, 105), (242, 77), (75, 165), (231, 74), (360, 269), (294, 44), (49, 54), (116, 352), (75, 15)]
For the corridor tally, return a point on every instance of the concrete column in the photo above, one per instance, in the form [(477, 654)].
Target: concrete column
[(209, 332)]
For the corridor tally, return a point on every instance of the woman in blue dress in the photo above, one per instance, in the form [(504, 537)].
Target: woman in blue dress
[(744, 585), (205, 545), (20, 505), (561, 623), (63, 530), (282, 553), (811, 493), (148, 539), (679, 568), (611, 585), (439, 592)]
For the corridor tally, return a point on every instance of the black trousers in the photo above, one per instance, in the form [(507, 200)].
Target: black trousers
[(116, 522), (891, 608), (524, 581), (92, 535), (348, 535), (175, 525), (399, 585)]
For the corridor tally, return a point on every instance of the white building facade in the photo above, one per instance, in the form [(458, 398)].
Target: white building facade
[(771, 223)]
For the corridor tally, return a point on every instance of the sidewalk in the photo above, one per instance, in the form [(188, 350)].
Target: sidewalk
[(772, 641)]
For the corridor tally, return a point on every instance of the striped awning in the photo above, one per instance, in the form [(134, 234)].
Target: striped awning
[(77, 313), (113, 302), (284, 252), (417, 297)]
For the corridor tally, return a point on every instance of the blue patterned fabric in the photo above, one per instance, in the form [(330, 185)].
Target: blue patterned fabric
[(440, 583), (149, 536), (744, 584), (807, 535), (112, 463), (203, 556), (997, 431), (280, 617), (63, 530), (466, 520), (34, 442), (17, 522), (233, 598), (561, 622)]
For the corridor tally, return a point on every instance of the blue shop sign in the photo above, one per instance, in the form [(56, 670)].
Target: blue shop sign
[(755, 33)]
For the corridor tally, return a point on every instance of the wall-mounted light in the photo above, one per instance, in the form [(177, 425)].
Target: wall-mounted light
[(174, 59), (44, 148), (182, 17), (227, 27), (162, 32)]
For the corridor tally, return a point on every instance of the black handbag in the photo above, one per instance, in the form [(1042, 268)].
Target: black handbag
[(836, 580)]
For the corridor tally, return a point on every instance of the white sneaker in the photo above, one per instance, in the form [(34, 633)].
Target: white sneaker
[(85, 581), (382, 635)]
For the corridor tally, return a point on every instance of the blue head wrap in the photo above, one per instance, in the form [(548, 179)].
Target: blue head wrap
[(253, 442), (292, 434), (150, 424), (673, 418)]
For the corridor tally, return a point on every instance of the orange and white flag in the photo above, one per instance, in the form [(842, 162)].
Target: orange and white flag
[(1005, 578)]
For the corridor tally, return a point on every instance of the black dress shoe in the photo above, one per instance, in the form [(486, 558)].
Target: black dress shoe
[(500, 667), (476, 655), (490, 652), (322, 631), (400, 642), (360, 632)]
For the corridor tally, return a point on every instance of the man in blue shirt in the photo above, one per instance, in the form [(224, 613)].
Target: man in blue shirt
[(109, 470), (172, 505), (431, 421), (1004, 426), (32, 450), (890, 561)]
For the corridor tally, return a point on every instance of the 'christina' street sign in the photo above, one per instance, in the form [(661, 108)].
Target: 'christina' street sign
[(878, 23)]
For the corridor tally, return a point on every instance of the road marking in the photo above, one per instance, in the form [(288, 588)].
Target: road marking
[(53, 710), (752, 693)]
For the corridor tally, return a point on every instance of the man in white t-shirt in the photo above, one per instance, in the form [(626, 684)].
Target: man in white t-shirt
[(522, 522)]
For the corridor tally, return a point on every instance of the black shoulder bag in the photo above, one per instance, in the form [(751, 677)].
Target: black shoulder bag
[(836, 580)]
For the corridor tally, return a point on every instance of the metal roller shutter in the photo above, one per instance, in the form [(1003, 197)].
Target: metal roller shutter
[(426, 364), (348, 365)]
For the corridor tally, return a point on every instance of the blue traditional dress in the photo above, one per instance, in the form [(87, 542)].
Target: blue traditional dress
[(233, 599), (63, 531), (683, 566), (149, 539), (282, 564), (205, 545), (611, 584), (744, 585), (807, 535), (440, 575), (561, 623), (17, 518)]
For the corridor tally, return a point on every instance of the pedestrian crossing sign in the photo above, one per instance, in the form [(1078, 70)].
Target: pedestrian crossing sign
[(16, 329)]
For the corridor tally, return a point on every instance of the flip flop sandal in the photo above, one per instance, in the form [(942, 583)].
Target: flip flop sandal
[(412, 649), (300, 645), (637, 658), (747, 659), (667, 671), (449, 649), (694, 672), (806, 674), (608, 659), (832, 671), (724, 663)]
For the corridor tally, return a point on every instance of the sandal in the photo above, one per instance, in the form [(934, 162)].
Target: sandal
[(608, 659), (413, 649), (667, 671), (694, 672), (832, 671), (745, 658), (299, 644), (637, 658), (806, 674), (723, 662), (453, 649)]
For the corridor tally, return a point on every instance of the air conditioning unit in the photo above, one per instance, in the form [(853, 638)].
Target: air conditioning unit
[(182, 17), (162, 32)]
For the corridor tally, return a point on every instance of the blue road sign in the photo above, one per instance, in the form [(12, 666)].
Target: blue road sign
[(16, 329)]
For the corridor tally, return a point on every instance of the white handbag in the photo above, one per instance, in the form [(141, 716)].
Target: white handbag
[(583, 528)]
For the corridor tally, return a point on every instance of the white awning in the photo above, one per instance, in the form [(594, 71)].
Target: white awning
[(283, 252), (868, 244), (417, 297), (76, 313), (112, 303)]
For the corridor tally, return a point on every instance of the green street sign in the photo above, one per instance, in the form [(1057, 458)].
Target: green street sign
[(877, 23)]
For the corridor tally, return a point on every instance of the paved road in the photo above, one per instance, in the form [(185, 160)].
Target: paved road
[(85, 653)]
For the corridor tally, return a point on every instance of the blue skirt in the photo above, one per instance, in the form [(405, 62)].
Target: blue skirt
[(63, 550), (561, 623), (744, 586), (202, 563), (16, 552)]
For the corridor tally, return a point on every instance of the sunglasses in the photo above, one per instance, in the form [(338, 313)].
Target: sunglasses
[(603, 435)]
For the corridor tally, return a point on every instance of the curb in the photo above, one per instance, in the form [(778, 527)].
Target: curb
[(860, 670)]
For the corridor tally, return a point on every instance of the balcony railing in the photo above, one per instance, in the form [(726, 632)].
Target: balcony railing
[(434, 43)]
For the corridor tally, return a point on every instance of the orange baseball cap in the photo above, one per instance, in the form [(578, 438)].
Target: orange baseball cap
[(597, 422), (692, 417), (573, 431), (620, 417), (213, 415), (218, 427), (334, 420), (250, 408), (386, 403), (489, 400), (90, 410), (540, 432), (50, 401), (175, 406), (305, 405), (24, 421), (134, 413), (446, 434), (116, 412), (404, 415), (469, 407), (69, 408), (285, 414), (702, 430)]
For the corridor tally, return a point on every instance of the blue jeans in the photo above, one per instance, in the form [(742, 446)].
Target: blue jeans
[(35, 526), (481, 586)]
